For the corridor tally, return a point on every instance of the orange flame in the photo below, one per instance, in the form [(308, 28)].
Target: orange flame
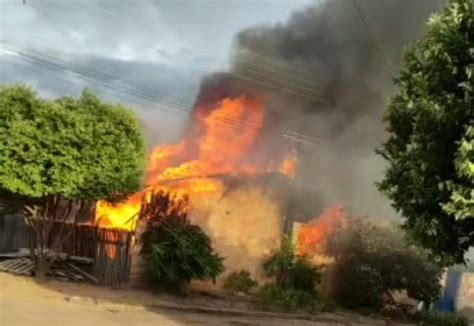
[(312, 237), (219, 142), (288, 166)]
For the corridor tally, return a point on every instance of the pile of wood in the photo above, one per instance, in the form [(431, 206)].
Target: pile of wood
[(106, 253), (18, 266), (65, 268)]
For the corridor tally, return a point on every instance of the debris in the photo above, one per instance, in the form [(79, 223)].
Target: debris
[(80, 260), (83, 273), (61, 269), (18, 266)]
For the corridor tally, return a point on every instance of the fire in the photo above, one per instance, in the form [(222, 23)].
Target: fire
[(219, 142), (288, 167), (312, 237)]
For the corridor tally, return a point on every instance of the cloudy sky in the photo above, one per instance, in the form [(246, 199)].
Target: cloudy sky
[(142, 52)]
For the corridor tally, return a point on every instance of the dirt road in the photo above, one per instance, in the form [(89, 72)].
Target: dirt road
[(24, 302), (36, 312)]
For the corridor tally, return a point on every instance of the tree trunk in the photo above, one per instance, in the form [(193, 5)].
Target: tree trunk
[(42, 267)]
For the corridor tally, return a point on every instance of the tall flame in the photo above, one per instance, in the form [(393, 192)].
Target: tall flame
[(219, 142)]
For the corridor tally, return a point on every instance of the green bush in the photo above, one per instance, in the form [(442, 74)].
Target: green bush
[(176, 251), (373, 261), (443, 319), (273, 298), (240, 281)]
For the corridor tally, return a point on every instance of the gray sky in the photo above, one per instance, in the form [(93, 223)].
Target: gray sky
[(162, 47)]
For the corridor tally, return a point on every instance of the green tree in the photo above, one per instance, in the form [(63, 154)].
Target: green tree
[(64, 154), (430, 177)]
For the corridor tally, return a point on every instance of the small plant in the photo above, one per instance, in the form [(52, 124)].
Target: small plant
[(292, 271), (443, 319), (326, 304), (273, 298), (239, 281), (296, 280)]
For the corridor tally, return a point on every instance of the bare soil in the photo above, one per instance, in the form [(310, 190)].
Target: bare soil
[(23, 301)]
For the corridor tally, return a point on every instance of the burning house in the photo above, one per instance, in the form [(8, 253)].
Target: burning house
[(237, 185)]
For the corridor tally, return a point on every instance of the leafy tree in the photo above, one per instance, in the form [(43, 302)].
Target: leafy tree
[(176, 251), (430, 149), (371, 262), (64, 154)]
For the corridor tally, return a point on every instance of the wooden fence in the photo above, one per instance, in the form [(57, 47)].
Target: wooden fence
[(14, 233), (111, 249)]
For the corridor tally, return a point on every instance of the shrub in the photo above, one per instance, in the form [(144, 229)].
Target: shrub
[(296, 282), (372, 262), (240, 281), (177, 251), (274, 298), (291, 271)]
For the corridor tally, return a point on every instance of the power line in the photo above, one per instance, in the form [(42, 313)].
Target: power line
[(282, 85), (29, 68), (368, 26), (279, 63), (309, 84), (142, 91), (48, 64), (130, 91), (275, 87)]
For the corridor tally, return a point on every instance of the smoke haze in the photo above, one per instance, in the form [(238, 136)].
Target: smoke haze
[(327, 73)]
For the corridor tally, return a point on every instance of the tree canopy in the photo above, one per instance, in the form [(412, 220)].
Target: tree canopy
[(74, 148), (430, 149)]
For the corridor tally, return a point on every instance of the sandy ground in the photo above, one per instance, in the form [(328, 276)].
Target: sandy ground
[(25, 302)]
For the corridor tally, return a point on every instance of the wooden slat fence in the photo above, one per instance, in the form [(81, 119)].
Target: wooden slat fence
[(13, 233), (111, 249)]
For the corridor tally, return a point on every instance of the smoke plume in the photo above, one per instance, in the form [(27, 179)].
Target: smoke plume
[(327, 75)]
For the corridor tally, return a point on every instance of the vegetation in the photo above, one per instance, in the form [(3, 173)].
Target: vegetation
[(240, 281), (443, 319), (292, 271), (274, 298), (176, 251), (74, 148), (372, 262), (57, 156), (430, 149), (296, 281)]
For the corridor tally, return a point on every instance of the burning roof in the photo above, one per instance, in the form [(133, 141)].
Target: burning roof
[(220, 142)]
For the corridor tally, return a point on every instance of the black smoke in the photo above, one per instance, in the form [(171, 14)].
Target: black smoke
[(327, 74)]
